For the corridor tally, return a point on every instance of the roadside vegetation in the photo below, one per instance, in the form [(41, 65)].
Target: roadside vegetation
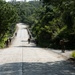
[(26, 10), (56, 21), (8, 19), (15, 12), (73, 54)]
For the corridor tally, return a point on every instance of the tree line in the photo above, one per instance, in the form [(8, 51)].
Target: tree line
[(8, 19), (56, 21), (14, 12), (26, 10), (49, 20)]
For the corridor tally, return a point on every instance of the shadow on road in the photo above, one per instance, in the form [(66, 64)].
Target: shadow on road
[(26, 46), (37, 68), (24, 41)]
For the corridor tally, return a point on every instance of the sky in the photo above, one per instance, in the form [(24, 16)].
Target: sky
[(19, 0)]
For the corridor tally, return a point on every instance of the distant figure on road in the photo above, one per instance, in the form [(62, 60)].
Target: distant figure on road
[(7, 43), (28, 40), (16, 34), (30, 36), (10, 40), (62, 44)]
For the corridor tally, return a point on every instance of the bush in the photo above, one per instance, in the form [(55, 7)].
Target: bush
[(73, 54)]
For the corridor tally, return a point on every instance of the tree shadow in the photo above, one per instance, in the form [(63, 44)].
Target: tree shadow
[(26, 46), (24, 41), (24, 28), (38, 68)]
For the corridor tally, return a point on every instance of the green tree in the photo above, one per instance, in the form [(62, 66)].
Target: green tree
[(57, 19), (8, 19)]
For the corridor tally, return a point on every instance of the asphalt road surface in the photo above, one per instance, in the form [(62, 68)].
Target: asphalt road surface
[(22, 58)]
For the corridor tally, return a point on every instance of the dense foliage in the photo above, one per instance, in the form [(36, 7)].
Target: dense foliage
[(14, 12), (8, 19), (56, 21), (73, 54), (26, 11), (50, 20)]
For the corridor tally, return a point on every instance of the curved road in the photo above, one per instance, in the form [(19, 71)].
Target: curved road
[(22, 58)]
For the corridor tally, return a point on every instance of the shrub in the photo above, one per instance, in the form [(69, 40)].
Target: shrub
[(73, 54)]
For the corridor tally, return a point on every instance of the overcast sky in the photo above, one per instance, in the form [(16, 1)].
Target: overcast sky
[(19, 0)]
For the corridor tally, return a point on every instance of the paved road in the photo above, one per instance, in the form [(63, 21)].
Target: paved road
[(22, 58)]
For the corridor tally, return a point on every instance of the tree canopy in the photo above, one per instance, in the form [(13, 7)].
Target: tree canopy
[(56, 21), (8, 19), (50, 20)]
